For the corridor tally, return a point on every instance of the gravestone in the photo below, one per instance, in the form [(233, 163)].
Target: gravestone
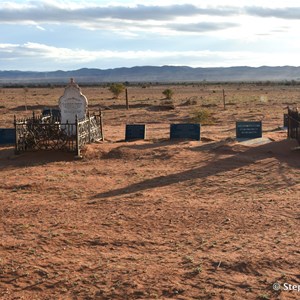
[(72, 103), (135, 132), (185, 131), (248, 130), (7, 136)]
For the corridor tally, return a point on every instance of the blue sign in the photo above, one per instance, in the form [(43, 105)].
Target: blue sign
[(249, 130), (135, 132), (7, 136), (185, 131)]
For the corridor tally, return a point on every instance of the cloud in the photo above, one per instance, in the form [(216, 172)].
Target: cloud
[(202, 26), (44, 54), (44, 12), (290, 13), (54, 11), (125, 20)]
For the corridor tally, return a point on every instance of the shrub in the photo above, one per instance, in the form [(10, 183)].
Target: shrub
[(168, 93), (117, 89), (203, 116)]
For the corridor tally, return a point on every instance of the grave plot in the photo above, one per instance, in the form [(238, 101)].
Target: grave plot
[(71, 132), (294, 124)]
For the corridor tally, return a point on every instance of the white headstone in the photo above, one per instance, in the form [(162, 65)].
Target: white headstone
[(72, 103)]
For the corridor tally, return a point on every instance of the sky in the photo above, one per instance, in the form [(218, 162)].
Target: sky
[(68, 35)]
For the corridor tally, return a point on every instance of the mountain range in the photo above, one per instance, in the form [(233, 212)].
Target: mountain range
[(154, 74)]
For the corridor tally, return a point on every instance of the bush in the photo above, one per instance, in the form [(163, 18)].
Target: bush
[(203, 116), (168, 93), (117, 89)]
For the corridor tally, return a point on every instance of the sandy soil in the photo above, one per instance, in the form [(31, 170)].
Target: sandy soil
[(154, 219)]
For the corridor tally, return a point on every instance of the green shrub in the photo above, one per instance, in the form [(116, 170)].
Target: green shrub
[(168, 93), (202, 116), (117, 89)]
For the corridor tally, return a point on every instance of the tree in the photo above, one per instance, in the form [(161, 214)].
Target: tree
[(117, 89), (168, 93)]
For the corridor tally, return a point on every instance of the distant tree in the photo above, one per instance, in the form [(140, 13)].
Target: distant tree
[(168, 93), (117, 89)]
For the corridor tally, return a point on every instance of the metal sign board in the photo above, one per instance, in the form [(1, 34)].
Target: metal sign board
[(248, 130), (185, 131)]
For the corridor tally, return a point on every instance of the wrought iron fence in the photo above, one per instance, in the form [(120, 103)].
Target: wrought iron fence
[(294, 124), (89, 130), (47, 133)]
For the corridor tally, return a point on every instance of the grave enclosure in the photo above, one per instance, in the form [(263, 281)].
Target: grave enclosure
[(294, 124), (70, 132)]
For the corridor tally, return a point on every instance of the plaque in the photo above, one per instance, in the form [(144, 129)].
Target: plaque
[(248, 130), (7, 136), (185, 131), (135, 132)]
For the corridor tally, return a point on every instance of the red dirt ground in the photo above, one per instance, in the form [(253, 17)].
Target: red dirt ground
[(154, 219)]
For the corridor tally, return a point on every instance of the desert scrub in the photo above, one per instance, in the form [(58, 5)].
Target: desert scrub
[(168, 93), (117, 89), (202, 116)]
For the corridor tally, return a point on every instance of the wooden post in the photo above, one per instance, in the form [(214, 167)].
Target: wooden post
[(88, 115), (289, 126), (224, 99), (127, 103), (101, 123), (77, 137), (16, 135)]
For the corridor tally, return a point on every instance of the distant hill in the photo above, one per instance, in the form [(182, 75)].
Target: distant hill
[(155, 74)]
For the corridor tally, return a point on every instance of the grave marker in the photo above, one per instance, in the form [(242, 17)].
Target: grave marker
[(185, 131), (72, 103), (135, 132), (248, 130), (7, 136)]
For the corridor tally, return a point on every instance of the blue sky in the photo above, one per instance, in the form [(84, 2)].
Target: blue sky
[(67, 35)]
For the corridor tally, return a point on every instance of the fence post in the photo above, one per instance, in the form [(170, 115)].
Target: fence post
[(88, 115), (77, 137), (224, 99), (127, 103), (16, 135), (101, 123), (289, 126)]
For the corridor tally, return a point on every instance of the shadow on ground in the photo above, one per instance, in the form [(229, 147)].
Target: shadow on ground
[(280, 150), (8, 158)]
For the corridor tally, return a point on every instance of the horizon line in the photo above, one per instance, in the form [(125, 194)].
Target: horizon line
[(154, 66)]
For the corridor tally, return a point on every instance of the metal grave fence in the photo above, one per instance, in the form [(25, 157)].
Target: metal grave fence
[(47, 133), (294, 124)]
